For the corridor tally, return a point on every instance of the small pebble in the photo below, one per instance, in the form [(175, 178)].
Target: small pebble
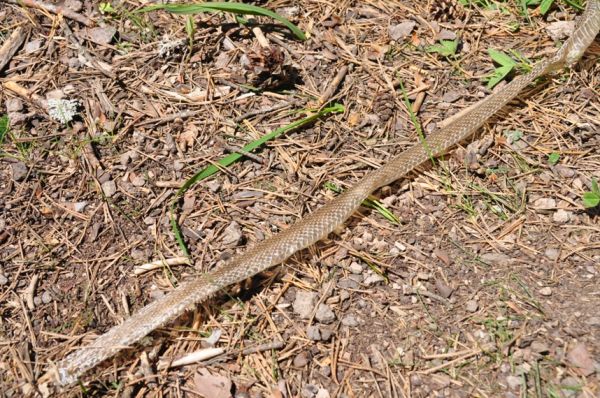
[(14, 105), (402, 30), (301, 360), (3, 280), (444, 290), (326, 334), (19, 171), (373, 279), (232, 235), (109, 188), (313, 333), (350, 321), (304, 303), (546, 291), (356, 268), (138, 181), (561, 216), (102, 35), (495, 258), (471, 306), (324, 314), (513, 382), (544, 204), (32, 46), (552, 253), (46, 297), (79, 206)]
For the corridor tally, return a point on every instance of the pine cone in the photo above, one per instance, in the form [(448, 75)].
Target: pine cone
[(446, 10)]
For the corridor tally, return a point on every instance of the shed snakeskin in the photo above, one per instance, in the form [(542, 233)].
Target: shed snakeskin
[(320, 223)]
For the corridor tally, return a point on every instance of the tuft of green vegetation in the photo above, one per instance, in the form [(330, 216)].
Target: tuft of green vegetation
[(233, 157), (591, 199), (119, 13), (190, 29), (445, 48), (506, 66), (553, 158), (3, 128), (234, 8)]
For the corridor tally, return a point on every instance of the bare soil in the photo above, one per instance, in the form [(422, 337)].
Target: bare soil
[(487, 287)]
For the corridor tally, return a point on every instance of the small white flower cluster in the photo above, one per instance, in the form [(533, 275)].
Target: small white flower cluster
[(62, 110)]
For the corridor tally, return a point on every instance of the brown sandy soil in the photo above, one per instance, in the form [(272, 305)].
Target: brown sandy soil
[(487, 287)]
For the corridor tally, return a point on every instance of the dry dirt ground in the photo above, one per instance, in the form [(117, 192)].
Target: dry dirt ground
[(488, 286)]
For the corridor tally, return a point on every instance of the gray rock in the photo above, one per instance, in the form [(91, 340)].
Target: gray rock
[(546, 291), (232, 235), (32, 46), (561, 216), (513, 382), (373, 279), (109, 188), (446, 34), (80, 206), (471, 306), (214, 186), (326, 334), (301, 360), (3, 280), (138, 181), (356, 268), (309, 391), (19, 171), (74, 5), (324, 314), (350, 321), (344, 295), (402, 30), (304, 303), (451, 96), (313, 333), (443, 289), (564, 171), (580, 358), (46, 297), (552, 253), (346, 283), (544, 204), (14, 105), (102, 35)]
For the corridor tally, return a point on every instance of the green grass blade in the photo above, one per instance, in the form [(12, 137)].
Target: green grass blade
[(234, 8), (501, 58), (3, 127), (177, 231), (415, 122), (231, 158), (498, 75)]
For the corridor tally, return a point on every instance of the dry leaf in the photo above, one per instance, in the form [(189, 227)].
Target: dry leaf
[(212, 386)]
